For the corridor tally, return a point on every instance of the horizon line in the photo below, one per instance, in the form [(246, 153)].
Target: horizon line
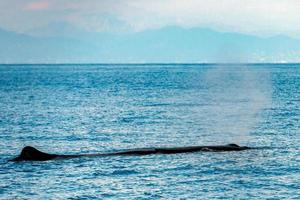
[(160, 63)]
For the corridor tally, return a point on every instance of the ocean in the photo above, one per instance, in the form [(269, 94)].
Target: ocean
[(92, 108)]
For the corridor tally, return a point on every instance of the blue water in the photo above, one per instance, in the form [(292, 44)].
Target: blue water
[(72, 109)]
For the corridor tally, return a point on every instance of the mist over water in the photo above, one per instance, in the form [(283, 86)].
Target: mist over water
[(72, 109), (237, 95)]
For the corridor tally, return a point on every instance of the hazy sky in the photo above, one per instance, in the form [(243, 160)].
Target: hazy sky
[(262, 17)]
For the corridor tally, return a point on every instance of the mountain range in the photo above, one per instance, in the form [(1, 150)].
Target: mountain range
[(164, 45)]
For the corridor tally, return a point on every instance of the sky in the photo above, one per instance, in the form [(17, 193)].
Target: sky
[(258, 17)]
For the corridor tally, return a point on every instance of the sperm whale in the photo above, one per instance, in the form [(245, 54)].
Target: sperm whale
[(29, 153)]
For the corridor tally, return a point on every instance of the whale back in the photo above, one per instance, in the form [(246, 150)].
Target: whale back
[(233, 145), (31, 153), (237, 147)]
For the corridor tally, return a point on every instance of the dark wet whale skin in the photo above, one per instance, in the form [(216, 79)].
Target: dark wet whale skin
[(29, 153)]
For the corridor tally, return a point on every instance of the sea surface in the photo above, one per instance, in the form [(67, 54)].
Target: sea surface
[(73, 109)]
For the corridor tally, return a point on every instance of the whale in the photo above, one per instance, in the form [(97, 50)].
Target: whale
[(29, 153)]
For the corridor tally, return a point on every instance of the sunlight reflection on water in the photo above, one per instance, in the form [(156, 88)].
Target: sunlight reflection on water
[(95, 108)]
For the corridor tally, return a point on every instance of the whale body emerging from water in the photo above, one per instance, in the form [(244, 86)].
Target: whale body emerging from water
[(32, 154)]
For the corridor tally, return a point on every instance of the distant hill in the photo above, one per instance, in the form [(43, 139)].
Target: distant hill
[(20, 48), (169, 44)]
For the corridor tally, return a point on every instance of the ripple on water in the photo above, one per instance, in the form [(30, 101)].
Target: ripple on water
[(95, 108)]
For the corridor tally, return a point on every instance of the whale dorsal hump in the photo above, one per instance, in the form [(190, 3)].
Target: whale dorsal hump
[(31, 153)]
